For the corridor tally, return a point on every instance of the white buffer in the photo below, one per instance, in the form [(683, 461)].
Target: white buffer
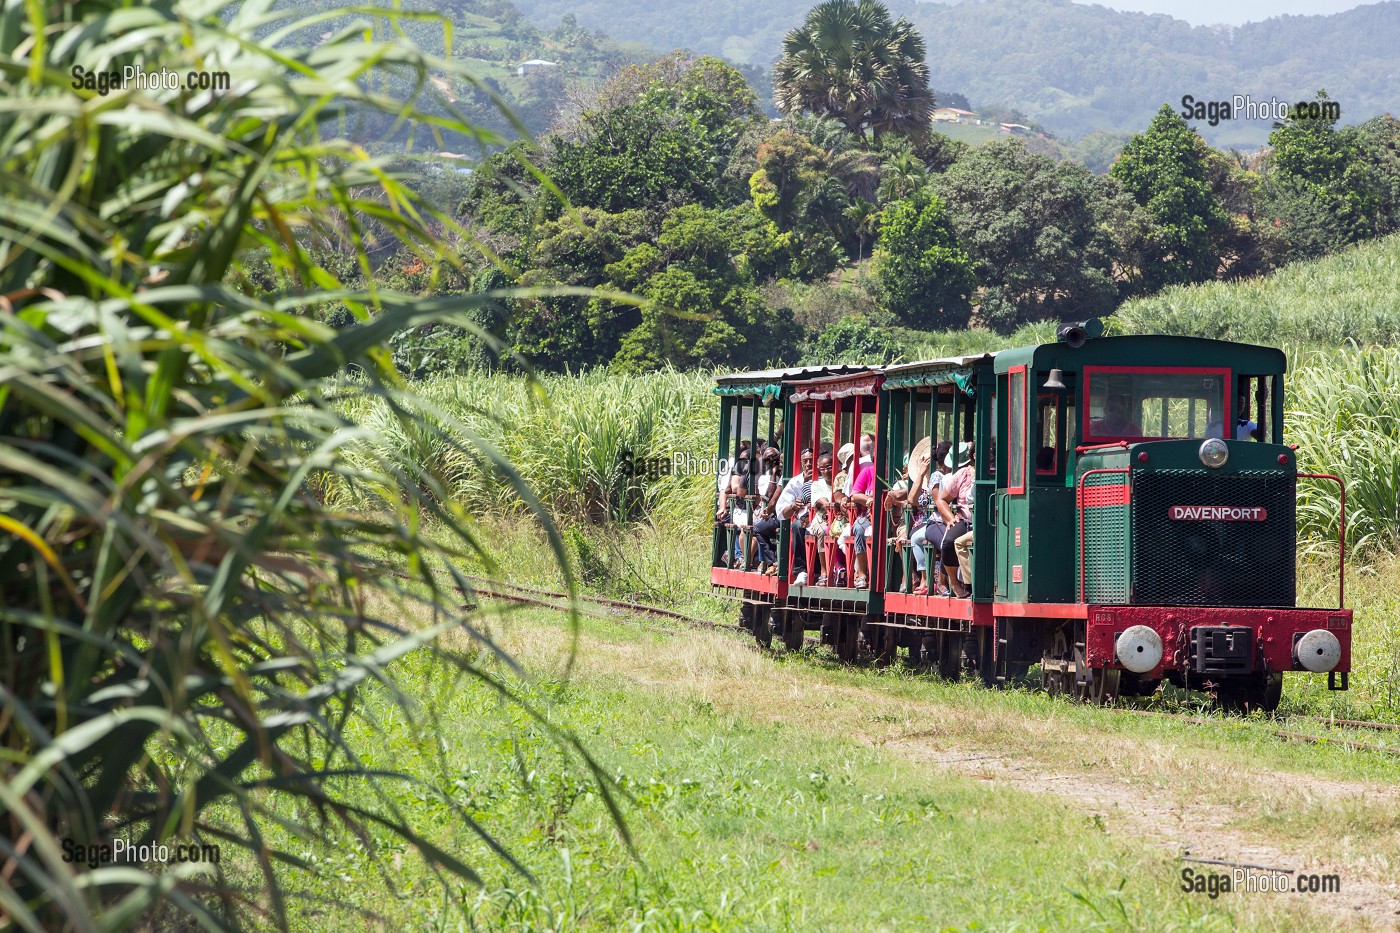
[(1319, 651), (1139, 649)]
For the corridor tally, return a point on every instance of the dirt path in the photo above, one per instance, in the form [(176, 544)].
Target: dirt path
[(1186, 796), (1193, 830)]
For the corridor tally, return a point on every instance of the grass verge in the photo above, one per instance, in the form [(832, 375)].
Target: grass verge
[(773, 795)]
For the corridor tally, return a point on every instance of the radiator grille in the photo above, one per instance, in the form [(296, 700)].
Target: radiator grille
[(1105, 538), (1212, 562)]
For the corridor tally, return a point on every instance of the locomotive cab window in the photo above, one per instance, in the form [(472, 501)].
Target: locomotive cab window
[(1049, 419), (1143, 403)]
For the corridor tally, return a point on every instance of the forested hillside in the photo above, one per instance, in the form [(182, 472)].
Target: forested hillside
[(1076, 67), (490, 38)]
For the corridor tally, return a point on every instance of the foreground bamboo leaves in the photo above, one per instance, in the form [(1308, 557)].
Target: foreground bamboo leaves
[(183, 619)]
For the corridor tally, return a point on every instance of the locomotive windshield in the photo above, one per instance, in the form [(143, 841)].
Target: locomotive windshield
[(1153, 404)]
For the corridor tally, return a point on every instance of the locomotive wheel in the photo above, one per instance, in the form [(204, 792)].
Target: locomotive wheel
[(1054, 680), (763, 625), (1061, 668), (1259, 692), (794, 631), (747, 612), (1100, 685)]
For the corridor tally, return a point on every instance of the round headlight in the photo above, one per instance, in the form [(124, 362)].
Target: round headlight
[(1214, 453)]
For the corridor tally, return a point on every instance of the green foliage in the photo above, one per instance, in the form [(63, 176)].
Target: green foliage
[(661, 134), (501, 196), (1033, 228), (849, 60), (855, 340), (1378, 147), (789, 169), (184, 622), (634, 157), (1316, 187), (1164, 169), (923, 274)]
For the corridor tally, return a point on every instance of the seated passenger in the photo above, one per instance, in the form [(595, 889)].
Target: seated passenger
[(770, 486), (929, 529), (741, 516), (1116, 421), (820, 525), (954, 503), (794, 505)]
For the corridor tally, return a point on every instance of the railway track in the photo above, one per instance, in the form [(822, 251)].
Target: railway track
[(605, 607), (529, 595), (1291, 736)]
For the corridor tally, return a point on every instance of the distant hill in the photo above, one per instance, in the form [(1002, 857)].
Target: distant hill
[(1074, 67)]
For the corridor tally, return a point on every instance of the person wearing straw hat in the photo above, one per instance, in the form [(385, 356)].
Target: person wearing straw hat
[(954, 503), (929, 527)]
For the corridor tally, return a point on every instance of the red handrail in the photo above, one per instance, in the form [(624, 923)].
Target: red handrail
[(1341, 535), (1079, 502)]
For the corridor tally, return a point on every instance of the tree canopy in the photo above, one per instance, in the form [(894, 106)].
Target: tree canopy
[(1164, 168), (924, 276)]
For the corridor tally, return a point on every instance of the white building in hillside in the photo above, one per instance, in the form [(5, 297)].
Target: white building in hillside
[(534, 64), (953, 115)]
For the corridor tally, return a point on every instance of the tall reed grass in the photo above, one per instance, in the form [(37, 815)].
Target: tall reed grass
[(1343, 412), (597, 448), (1349, 295)]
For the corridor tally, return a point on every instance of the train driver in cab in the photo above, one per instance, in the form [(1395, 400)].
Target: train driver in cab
[(1117, 419)]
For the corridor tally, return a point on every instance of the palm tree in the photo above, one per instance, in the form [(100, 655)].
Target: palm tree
[(864, 217), (850, 61), (902, 173)]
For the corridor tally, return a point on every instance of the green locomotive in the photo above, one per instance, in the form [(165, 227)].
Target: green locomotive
[(1132, 517)]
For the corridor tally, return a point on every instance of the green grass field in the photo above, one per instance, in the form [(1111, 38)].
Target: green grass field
[(767, 792)]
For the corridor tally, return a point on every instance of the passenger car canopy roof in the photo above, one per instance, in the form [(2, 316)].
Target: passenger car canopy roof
[(866, 382), (767, 384), (956, 370)]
